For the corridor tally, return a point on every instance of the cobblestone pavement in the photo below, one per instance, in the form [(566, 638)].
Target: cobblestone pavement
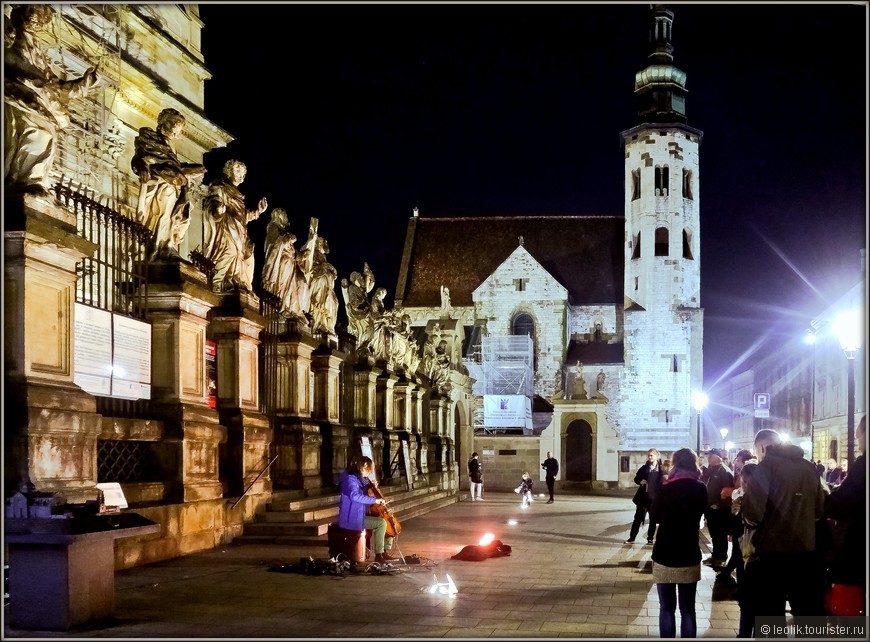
[(569, 575)]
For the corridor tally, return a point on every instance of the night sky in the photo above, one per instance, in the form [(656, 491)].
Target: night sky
[(356, 114)]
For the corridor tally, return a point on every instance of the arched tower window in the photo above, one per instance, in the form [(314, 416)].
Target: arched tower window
[(635, 251), (662, 180), (661, 241), (687, 245), (687, 184), (523, 324), (635, 184)]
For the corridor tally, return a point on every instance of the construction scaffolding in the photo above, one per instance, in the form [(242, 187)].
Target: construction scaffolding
[(501, 365)]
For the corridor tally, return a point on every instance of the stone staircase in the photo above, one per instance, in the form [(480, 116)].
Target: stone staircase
[(303, 521)]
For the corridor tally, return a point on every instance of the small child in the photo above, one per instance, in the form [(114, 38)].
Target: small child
[(525, 489)]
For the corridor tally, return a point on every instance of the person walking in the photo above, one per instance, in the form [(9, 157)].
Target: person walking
[(717, 477), (648, 479), (783, 500), (678, 507), (475, 478), (551, 466)]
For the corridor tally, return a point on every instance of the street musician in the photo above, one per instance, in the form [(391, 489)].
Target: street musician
[(354, 502)]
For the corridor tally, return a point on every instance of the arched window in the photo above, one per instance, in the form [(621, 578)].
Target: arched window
[(635, 250), (687, 184), (523, 324), (635, 184), (661, 241), (662, 175), (687, 245)]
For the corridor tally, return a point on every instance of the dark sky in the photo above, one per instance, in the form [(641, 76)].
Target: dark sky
[(356, 114)]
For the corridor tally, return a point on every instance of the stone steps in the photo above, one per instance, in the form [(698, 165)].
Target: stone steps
[(297, 521)]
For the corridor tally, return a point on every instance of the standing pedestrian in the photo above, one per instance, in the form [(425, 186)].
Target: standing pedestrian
[(784, 499), (551, 465), (648, 478), (475, 478), (676, 556), (717, 477)]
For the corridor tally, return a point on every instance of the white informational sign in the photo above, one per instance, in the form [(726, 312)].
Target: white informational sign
[(406, 456), (507, 411), (113, 495), (93, 350), (131, 366), (761, 402), (365, 447)]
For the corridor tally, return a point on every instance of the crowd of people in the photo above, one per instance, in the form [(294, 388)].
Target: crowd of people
[(797, 532)]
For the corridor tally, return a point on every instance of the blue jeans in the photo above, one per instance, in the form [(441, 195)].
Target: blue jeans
[(668, 608)]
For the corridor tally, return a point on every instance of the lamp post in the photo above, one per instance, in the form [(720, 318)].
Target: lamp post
[(699, 402), (847, 327), (724, 433), (810, 340)]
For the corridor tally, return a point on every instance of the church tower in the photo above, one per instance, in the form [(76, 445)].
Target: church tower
[(663, 315)]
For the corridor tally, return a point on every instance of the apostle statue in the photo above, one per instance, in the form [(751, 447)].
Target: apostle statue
[(356, 304), (323, 307), (228, 245), (35, 102), (279, 267), (164, 207)]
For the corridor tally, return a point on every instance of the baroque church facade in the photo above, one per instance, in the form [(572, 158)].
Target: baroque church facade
[(612, 303)]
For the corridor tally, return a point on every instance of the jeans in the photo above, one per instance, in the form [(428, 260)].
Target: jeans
[(668, 608), (639, 515), (717, 525)]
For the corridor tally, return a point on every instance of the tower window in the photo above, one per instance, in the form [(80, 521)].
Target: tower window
[(687, 245), (635, 251), (662, 181), (661, 242), (520, 284), (675, 364), (687, 184), (636, 283), (635, 184)]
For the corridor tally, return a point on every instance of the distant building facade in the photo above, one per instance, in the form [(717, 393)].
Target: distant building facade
[(612, 303)]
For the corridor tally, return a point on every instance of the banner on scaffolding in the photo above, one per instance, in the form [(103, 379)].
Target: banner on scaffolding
[(507, 411)]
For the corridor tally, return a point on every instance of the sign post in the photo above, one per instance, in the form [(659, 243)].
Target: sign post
[(761, 403)]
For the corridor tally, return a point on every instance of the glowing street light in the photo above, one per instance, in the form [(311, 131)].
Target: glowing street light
[(724, 433), (847, 327), (699, 402)]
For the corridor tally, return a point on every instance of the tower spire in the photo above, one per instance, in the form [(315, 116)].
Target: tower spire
[(660, 88)]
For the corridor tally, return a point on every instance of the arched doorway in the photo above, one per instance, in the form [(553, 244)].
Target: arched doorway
[(578, 451)]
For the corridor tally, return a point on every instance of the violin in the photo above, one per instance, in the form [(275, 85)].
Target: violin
[(384, 511)]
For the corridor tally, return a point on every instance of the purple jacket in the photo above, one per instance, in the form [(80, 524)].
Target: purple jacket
[(353, 502)]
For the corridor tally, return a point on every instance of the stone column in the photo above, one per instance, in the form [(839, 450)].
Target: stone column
[(178, 304), (235, 327), (364, 395), (417, 394), (386, 420), (327, 362), (50, 424)]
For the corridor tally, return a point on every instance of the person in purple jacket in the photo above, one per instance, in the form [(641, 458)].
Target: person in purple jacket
[(354, 502)]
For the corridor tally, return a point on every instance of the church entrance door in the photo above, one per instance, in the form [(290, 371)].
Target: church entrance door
[(578, 451)]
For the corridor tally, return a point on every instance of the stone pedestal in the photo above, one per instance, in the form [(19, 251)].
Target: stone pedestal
[(295, 390), (364, 394), (326, 363), (235, 327), (297, 443), (51, 425), (178, 304)]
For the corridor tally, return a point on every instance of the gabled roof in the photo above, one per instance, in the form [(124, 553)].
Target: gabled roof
[(584, 253)]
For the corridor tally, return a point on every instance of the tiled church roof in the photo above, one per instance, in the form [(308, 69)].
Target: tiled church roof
[(595, 352), (584, 253)]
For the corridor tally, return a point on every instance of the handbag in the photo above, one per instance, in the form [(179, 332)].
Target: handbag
[(639, 498), (845, 600)]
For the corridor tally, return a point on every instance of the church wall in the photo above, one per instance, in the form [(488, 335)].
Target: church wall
[(504, 460), (582, 320)]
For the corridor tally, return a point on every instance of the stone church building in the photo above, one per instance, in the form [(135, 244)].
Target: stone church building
[(611, 303)]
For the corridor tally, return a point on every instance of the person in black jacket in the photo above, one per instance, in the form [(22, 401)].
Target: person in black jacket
[(847, 504), (475, 478), (649, 480), (551, 465), (676, 556), (717, 477)]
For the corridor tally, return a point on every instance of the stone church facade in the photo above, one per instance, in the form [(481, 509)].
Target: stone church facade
[(612, 302)]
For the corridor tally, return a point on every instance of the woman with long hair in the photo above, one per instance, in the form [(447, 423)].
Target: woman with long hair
[(678, 508), (354, 502)]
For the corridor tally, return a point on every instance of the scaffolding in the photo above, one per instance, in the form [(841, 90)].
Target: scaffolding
[(502, 365)]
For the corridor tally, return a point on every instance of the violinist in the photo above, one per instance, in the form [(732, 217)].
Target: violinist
[(354, 502)]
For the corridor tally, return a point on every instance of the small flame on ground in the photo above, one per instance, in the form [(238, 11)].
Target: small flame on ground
[(486, 539)]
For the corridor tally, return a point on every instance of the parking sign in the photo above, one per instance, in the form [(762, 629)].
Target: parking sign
[(762, 405)]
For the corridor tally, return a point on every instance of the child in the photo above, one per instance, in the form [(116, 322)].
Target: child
[(525, 489)]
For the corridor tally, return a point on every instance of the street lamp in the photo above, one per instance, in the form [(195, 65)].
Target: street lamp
[(847, 328), (699, 402), (724, 433)]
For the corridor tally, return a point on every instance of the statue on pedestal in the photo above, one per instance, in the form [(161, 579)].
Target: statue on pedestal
[(228, 245), (279, 267), (558, 391), (579, 384), (164, 207), (323, 307), (36, 100)]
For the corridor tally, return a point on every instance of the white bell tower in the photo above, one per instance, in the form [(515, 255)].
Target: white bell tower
[(663, 315)]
